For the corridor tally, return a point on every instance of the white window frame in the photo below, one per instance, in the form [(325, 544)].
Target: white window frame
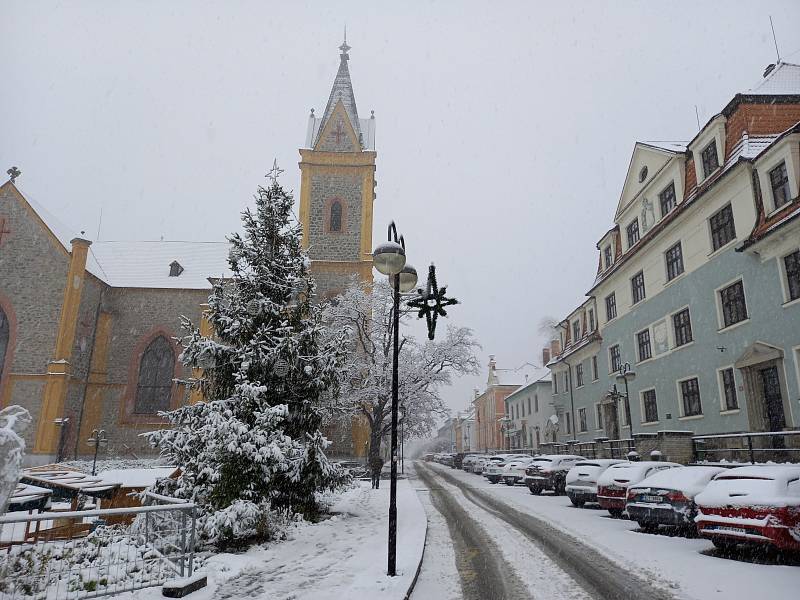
[(641, 406), (671, 328), (681, 415), (610, 361), (718, 302), (595, 368), (579, 382), (785, 276), (723, 410), (583, 421), (598, 416)]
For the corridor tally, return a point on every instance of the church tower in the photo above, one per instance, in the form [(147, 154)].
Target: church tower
[(337, 188)]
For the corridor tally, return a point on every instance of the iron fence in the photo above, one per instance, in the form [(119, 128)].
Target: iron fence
[(85, 554), (777, 446)]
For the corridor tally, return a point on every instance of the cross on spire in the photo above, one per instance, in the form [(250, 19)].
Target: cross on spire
[(344, 47), (274, 172), (13, 173)]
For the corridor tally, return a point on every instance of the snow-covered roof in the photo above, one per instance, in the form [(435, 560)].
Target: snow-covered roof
[(676, 147), (524, 375), (784, 79), (342, 90), (147, 264), (142, 264), (136, 478)]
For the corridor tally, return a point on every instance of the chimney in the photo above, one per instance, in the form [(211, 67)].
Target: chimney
[(492, 363), (555, 347), (545, 356)]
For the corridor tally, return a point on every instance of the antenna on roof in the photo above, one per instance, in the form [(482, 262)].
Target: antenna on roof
[(775, 39), (697, 116)]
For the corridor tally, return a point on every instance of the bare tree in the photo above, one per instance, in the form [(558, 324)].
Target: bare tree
[(424, 367)]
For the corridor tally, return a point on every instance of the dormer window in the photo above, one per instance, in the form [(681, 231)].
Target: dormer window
[(779, 181), (591, 319), (576, 331), (710, 159), (633, 232), (608, 256), (175, 268)]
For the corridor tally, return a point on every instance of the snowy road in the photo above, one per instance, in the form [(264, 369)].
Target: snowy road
[(558, 551), (503, 553)]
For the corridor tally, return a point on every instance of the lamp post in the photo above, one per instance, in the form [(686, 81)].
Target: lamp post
[(389, 258), (625, 375), (97, 440)]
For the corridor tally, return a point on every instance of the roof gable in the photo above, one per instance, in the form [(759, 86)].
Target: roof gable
[(337, 133), (646, 162), (341, 92)]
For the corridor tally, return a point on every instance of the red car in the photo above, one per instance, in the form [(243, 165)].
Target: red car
[(752, 505), (612, 486)]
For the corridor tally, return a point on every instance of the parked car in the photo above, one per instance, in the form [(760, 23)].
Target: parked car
[(479, 465), (581, 480), (469, 462), (428, 457), (514, 471), (549, 472), (667, 497), (494, 468), (752, 505), (447, 459), (612, 486)]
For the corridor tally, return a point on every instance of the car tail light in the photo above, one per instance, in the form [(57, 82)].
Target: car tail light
[(676, 496)]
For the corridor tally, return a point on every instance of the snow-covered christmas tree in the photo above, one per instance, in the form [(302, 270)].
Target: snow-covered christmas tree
[(254, 448)]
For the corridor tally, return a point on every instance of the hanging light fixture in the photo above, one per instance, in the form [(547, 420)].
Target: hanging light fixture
[(389, 258), (408, 278)]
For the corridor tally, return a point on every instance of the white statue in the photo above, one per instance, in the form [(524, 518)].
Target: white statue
[(14, 420)]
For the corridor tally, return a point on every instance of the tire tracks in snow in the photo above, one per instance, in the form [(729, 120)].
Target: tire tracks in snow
[(484, 574), (600, 576)]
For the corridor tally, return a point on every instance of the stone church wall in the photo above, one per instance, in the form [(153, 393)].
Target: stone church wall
[(31, 300), (325, 244)]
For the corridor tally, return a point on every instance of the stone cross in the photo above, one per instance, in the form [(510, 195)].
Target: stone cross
[(13, 173)]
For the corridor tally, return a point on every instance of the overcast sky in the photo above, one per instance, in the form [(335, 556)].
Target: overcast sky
[(504, 130)]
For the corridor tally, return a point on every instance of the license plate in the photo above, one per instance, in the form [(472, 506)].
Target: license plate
[(733, 529), (647, 498)]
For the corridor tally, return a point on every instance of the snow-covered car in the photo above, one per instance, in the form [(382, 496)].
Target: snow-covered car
[(549, 472), (612, 486), (479, 465), (581, 480), (667, 497), (469, 461), (514, 471), (494, 468), (447, 459), (757, 505)]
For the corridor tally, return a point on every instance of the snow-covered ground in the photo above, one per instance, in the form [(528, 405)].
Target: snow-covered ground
[(689, 567), (341, 558)]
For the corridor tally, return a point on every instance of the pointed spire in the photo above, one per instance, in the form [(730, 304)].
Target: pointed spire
[(342, 90)]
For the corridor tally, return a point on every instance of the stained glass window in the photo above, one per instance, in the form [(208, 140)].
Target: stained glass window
[(156, 370)]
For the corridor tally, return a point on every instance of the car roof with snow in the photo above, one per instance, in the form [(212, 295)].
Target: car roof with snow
[(553, 457), (599, 462), (685, 479), (631, 470), (753, 486)]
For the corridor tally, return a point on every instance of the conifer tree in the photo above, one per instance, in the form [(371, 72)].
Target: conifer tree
[(254, 445)]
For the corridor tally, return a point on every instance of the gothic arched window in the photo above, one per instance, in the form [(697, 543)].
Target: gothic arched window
[(336, 216), (156, 369), (5, 333)]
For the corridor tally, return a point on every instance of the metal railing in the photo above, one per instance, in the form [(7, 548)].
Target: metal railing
[(764, 446), (85, 554)]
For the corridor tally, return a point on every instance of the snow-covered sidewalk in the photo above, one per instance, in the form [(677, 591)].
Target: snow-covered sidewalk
[(341, 558)]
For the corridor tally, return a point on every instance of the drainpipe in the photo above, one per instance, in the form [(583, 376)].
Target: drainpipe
[(88, 372)]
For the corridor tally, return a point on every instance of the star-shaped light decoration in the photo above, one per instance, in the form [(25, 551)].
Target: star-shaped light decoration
[(431, 302), (274, 172)]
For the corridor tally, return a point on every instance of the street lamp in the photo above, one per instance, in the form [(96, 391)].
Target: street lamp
[(505, 426), (390, 259), (97, 440), (625, 374)]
